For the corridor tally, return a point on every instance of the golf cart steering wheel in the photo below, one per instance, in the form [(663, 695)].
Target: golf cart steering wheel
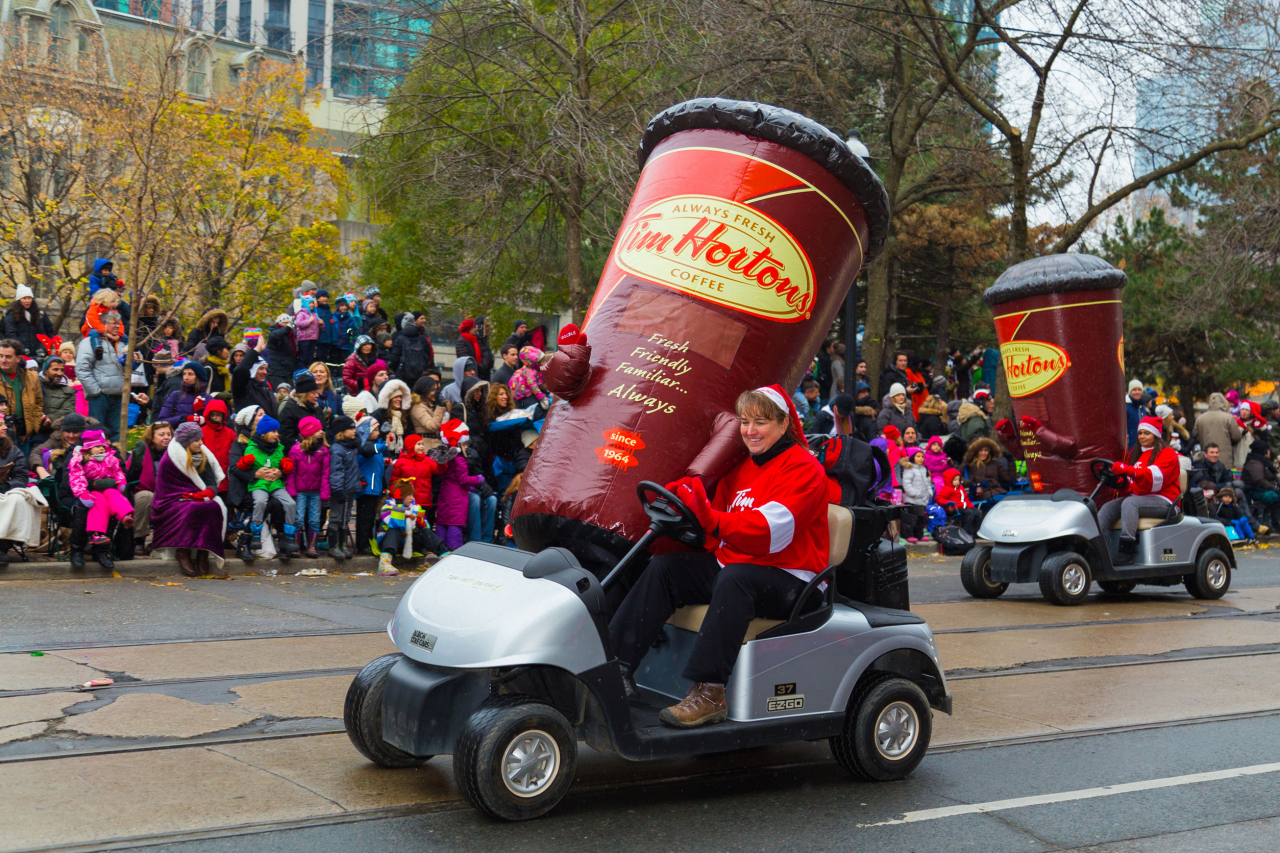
[(1101, 470), (670, 516)]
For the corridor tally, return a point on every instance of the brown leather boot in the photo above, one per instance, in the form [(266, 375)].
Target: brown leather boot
[(702, 704), (184, 563), (202, 561)]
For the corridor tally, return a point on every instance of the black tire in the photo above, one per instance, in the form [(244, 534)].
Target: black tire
[(975, 574), (900, 707), (496, 728), (1117, 587), (362, 715), (1212, 577), (1061, 581)]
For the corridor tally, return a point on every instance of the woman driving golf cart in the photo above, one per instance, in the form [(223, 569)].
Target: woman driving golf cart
[(1152, 474), (767, 536)]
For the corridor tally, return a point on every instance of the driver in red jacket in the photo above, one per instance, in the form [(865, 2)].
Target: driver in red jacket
[(767, 537), (1153, 474)]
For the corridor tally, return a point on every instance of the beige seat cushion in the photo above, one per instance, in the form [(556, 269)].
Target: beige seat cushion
[(1143, 523), (840, 522), (690, 619)]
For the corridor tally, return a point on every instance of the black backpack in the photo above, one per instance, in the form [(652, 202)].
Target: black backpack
[(954, 541), (860, 470)]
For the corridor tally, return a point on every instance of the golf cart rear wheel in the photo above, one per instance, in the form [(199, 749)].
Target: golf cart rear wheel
[(1117, 587), (362, 715), (886, 730), (1065, 578), (975, 574), (516, 758), (1212, 577)]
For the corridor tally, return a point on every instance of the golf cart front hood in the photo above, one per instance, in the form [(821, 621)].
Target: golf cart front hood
[(1020, 519), (472, 614)]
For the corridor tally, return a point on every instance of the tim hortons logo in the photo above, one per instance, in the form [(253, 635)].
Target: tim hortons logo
[(1032, 366), (720, 251)]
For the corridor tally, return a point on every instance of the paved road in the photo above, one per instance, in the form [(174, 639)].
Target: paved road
[(199, 743)]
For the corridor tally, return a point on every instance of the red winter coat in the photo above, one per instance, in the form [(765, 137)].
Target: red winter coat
[(775, 513), (218, 438), (952, 494), (1157, 476), (418, 469)]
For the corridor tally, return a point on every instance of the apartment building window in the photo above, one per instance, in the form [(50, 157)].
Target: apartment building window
[(199, 65)]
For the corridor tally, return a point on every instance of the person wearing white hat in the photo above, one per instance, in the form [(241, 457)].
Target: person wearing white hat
[(897, 411), (766, 526), (25, 322)]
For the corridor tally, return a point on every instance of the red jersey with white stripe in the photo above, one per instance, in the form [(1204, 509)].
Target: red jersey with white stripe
[(775, 513), (1157, 476)]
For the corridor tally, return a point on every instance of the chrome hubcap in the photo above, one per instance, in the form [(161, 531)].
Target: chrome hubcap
[(896, 730), (531, 763), (1073, 579), (1216, 574)]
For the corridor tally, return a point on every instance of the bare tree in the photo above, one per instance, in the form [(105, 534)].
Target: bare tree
[(1102, 99), (49, 109)]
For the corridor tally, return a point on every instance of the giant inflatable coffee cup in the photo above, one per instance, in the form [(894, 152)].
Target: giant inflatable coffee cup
[(747, 227), (1060, 325)]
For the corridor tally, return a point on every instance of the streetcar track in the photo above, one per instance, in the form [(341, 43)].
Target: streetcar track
[(284, 635), (1137, 620), (368, 815), (231, 738), (1146, 660), (141, 684)]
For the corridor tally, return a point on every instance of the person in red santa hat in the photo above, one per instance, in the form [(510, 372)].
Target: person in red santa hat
[(1152, 472), (767, 536)]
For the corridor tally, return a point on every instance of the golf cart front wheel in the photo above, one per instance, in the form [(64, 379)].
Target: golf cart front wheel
[(516, 758), (362, 715), (886, 731), (1212, 577), (975, 574), (1065, 578), (1117, 587)]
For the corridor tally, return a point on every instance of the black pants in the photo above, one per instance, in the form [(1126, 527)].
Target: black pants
[(366, 520), (736, 594)]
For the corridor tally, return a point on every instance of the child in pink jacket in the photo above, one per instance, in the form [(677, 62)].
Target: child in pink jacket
[(306, 327), (97, 479)]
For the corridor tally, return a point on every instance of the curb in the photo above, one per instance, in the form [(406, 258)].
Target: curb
[(147, 567)]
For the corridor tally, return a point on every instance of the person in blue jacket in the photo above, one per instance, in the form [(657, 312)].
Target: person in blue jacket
[(372, 481), (346, 328), (1135, 409)]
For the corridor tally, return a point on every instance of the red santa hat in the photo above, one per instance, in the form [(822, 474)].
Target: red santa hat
[(454, 432), (1155, 426), (782, 401)]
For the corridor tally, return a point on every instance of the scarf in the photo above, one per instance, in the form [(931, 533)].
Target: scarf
[(220, 365)]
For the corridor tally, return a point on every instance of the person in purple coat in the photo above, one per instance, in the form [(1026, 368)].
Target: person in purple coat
[(187, 515), (456, 486), (308, 480), (181, 404)]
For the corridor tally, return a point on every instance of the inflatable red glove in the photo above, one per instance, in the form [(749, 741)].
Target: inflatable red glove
[(695, 497), (1031, 423), (1004, 427), (569, 370), (286, 465)]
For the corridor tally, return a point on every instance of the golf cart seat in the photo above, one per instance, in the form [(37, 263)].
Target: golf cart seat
[(840, 525), (1174, 513)]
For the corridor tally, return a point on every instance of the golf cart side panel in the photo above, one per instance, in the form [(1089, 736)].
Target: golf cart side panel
[(796, 675), (424, 708), (474, 614)]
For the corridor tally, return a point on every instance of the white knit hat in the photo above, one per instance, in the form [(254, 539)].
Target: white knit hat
[(896, 388), (1135, 383), (23, 292)]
